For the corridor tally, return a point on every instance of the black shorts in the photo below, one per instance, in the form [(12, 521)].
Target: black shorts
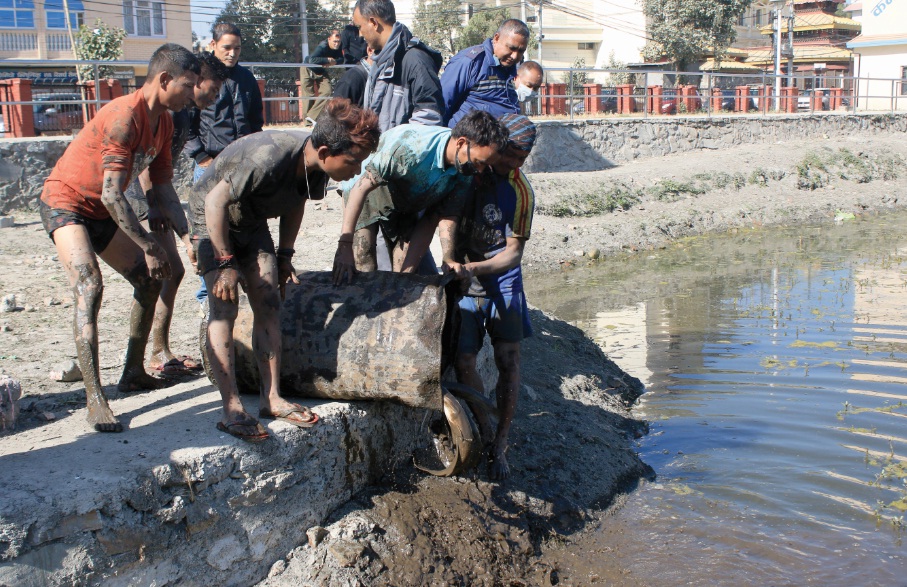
[(246, 247), (100, 232)]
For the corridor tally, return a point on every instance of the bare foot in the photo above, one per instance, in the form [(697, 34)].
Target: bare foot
[(103, 420), (498, 469), (295, 414), (139, 382)]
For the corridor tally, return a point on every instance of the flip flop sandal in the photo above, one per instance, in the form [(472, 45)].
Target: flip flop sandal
[(189, 363), (284, 416), (173, 367), (233, 429)]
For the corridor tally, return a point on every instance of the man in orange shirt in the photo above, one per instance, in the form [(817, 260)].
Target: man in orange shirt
[(86, 215)]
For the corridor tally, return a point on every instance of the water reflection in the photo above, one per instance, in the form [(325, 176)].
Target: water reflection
[(775, 368)]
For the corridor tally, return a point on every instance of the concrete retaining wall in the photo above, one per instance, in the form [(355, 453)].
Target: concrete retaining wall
[(587, 145), (593, 145)]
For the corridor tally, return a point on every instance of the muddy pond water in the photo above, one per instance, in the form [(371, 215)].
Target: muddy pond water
[(775, 363)]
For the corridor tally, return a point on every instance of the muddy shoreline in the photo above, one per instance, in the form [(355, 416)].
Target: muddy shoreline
[(572, 451)]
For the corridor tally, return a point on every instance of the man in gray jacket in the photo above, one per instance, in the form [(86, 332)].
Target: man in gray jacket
[(403, 85)]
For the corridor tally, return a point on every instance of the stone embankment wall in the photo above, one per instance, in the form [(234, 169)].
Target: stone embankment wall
[(582, 145)]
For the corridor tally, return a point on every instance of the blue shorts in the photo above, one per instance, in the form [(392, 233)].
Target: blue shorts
[(503, 317)]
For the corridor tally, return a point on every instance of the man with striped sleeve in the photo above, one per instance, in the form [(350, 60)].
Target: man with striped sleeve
[(491, 237)]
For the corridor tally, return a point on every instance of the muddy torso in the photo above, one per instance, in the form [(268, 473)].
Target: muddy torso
[(261, 172)]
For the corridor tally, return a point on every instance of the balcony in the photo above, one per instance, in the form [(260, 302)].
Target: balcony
[(18, 43), (58, 42)]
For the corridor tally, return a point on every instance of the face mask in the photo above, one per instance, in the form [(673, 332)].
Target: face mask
[(524, 93), (466, 168)]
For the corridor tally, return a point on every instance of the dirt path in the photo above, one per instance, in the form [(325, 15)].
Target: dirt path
[(417, 530)]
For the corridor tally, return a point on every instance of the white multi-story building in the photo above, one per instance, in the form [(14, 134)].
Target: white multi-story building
[(880, 52)]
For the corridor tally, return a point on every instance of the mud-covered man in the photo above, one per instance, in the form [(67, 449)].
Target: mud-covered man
[(159, 220), (266, 175), (86, 214), (417, 181), (492, 235)]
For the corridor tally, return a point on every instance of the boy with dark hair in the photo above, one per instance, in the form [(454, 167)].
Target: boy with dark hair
[(266, 175), (159, 220), (86, 215), (417, 169), (492, 235)]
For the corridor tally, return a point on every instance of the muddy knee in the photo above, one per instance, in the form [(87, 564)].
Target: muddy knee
[(88, 289), (146, 287)]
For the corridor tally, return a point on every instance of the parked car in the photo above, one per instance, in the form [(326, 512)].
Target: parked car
[(804, 100), (607, 102), (729, 100), (669, 101), (55, 115)]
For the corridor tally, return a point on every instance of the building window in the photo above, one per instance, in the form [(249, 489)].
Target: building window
[(17, 14), (904, 80), (142, 18), (757, 17), (586, 46), (55, 18)]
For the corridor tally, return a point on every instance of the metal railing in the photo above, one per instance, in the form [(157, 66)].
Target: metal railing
[(715, 93)]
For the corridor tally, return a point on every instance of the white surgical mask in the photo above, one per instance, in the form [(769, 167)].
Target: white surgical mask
[(524, 93)]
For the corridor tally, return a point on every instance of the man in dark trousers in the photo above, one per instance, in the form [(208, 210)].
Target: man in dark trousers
[(314, 81)]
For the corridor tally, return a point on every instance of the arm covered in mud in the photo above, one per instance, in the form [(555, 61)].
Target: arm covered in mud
[(344, 263), (170, 207), (510, 257), (228, 278), (289, 230), (447, 232), (122, 213)]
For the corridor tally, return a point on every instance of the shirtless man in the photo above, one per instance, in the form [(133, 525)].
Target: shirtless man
[(86, 215), (266, 175), (160, 221)]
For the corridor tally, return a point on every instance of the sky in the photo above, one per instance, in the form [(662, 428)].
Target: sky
[(203, 14)]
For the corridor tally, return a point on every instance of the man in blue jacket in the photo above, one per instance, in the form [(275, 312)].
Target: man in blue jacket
[(481, 77)]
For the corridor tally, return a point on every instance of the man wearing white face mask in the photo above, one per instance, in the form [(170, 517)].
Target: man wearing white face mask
[(482, 77), (528, 81)]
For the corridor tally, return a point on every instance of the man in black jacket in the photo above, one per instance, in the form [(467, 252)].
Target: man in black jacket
[(314, 81), (238, 110), (352, 45), (352, 85)]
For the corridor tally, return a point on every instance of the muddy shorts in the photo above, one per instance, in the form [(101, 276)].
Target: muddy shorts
[(379, 208), (100, 232), (246, 247), (503, 317)]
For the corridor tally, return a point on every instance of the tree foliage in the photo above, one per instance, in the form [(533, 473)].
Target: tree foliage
[(98, 43), (686, 30), (271, 28), (437, 23)]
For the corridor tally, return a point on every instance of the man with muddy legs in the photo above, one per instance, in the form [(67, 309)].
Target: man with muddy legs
[(492, 236), (86, 215), (417, 181), (266, 175), (160, 220)]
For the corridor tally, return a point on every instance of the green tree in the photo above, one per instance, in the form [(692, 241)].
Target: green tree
[(437, 23), (98, 43), (686, 30)]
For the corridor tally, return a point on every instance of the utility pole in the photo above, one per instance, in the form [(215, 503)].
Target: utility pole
[(778, 57), (523, 10), (790, 45), (304, 15), (541, 34)]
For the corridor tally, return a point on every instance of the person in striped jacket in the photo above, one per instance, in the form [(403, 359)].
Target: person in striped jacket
[(490, 241)]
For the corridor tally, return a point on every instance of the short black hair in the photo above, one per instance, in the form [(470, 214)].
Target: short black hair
[(531, 66), (225, 28), (482, 129), (383, 10), (212, 67), (514, 26), (174, 59)]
